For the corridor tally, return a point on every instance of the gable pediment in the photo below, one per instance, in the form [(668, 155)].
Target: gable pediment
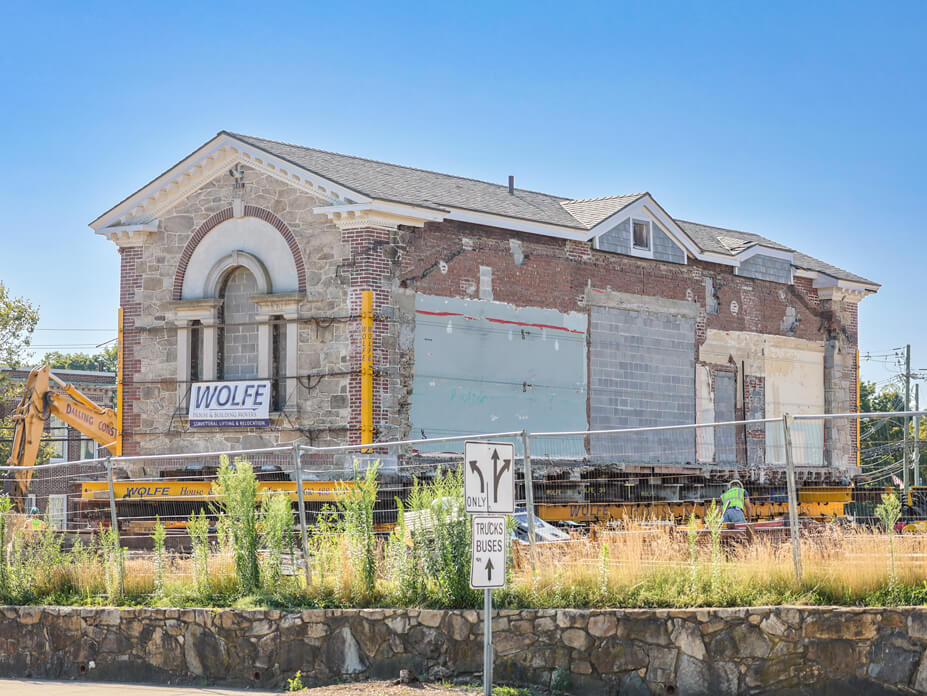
[(142, 209)]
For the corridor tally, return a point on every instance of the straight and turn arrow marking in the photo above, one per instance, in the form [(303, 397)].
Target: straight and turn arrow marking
[(476, 470), (497, 473)]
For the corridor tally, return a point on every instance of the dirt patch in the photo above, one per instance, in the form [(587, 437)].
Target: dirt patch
[(387, 688)]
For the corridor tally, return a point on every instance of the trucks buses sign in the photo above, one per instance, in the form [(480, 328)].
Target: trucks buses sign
[(241, 404)]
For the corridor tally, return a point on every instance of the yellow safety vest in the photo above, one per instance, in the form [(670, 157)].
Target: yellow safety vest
[(733, 497), (38, 525)]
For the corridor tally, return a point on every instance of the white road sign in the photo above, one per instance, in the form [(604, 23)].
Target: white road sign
[(489, 476), (487, 563)]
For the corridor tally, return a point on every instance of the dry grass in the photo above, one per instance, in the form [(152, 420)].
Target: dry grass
[(637, 565), (840, 564)]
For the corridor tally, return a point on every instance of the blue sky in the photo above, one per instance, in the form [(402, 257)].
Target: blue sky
[(803, 122)]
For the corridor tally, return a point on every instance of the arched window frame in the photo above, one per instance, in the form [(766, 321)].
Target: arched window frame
[(201, 319)]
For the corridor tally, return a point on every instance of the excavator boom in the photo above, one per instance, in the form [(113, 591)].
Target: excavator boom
[(71, 406)]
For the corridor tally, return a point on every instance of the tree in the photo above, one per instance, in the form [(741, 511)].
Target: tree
[(881, 439), (18, 318), (17, 322), (104, 361)]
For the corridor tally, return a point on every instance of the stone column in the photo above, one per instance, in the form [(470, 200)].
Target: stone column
[(210, 349), (183, 362), (265, 346), (292, 353), (206, 311), (285, 304)]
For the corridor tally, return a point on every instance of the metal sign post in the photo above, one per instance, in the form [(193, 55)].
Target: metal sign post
[(489, 487), (487, 642)]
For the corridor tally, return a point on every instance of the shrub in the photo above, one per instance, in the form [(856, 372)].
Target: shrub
[(277, 523), (198, 529), (113, 556), (236, 491), (158, 537), (5, 506), (355, 506), (444, 540), (889, 512), (713, 519)]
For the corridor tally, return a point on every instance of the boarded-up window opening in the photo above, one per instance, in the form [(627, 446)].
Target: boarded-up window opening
[(196, 355), (278, 364)]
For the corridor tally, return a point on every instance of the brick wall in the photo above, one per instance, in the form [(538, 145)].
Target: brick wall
[(130, 284), (369, 268)]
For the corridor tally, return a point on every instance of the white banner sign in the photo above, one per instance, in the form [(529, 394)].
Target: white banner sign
[(487, 562), (230, 404)]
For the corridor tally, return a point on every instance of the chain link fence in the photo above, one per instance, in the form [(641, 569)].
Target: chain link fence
[(801, 474)]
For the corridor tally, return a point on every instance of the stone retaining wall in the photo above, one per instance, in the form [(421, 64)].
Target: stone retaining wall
[(777, 650)]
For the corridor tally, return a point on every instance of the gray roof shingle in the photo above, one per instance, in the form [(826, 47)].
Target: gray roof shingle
[(725, 241), (399, 184), (421, 187), (591, 211)]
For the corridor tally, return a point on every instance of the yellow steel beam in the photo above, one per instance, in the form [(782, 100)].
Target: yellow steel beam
[(173, 491), (366, 367), (605, 512), (117, 450)]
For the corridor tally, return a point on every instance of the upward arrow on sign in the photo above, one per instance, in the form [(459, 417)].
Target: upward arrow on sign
[(489, 567), (498, 473)]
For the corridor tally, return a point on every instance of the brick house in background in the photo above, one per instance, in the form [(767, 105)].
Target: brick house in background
[(497, 309), (67, 443)]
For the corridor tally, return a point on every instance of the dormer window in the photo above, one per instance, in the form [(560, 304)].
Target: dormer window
[(640, 234)]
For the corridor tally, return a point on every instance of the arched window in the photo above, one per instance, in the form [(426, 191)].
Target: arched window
[(238, 347), (237, 318)]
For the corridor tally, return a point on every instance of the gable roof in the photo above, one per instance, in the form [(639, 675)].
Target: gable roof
[(736, 241), (591, 211), (421, 187), (357, 181)]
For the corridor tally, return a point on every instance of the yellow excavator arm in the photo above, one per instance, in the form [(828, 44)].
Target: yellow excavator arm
[(71, 406)]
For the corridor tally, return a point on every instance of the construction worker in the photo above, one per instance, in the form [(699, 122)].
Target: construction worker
[(34, 523), (736, 503)]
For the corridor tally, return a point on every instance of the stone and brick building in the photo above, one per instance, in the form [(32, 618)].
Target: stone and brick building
[(496, 309)]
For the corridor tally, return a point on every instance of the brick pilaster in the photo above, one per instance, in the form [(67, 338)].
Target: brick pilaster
[(129, 284), (368, 268)]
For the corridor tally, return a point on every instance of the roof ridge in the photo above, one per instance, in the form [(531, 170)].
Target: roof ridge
[(715, 227), (605, 198), (393, 164)]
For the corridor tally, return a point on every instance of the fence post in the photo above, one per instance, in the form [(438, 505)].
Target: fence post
[(529, 498), (114, 523), (302, 513), (793, 495)]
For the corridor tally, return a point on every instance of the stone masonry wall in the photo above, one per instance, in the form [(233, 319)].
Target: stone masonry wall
[(149, 275), (765, 650)]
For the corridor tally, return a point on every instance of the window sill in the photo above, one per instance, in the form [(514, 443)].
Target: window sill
[(641, 253)]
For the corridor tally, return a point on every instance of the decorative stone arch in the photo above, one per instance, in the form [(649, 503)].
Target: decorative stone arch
[(220, 217), (220, 271)]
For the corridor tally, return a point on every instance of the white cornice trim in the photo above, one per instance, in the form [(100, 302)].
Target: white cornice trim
[(516, 225), (378, 214), (216, 157), (130, 235)]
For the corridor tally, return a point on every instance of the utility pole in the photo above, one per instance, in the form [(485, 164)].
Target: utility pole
[(907, 419), (916, 454)]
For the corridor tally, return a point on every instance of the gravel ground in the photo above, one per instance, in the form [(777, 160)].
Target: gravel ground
[(387, 688)]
